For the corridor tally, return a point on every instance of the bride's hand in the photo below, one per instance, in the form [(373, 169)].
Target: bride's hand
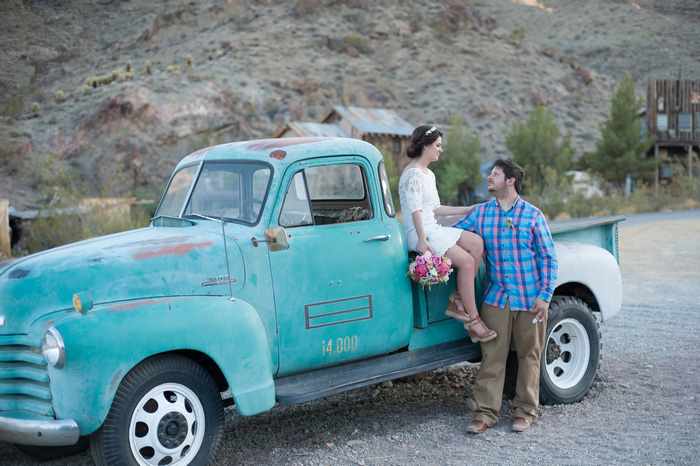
[(423, 247)]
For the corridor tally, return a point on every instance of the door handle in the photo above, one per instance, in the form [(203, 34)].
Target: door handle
[(379, 238)]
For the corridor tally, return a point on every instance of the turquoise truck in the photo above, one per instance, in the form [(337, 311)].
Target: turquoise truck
[(272, 272)]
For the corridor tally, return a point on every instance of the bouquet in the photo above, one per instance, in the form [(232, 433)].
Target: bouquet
[(430, 270)]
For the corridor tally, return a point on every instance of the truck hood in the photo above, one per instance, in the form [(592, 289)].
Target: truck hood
[(147, 263)]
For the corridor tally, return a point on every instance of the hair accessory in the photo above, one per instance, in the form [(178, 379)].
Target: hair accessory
[(430, 131)]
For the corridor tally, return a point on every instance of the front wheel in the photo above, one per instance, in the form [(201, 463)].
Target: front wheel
[(571, 355), (167, 410)]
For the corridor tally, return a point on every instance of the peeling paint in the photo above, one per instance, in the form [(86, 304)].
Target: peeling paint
[(136, 305), (265, 144), (176, 250), (19, 272), (278, 154)]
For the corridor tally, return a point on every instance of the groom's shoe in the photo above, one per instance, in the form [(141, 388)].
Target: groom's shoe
[(476, 427), (521, 424)]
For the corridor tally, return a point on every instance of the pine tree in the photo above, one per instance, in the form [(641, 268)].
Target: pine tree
[(623, 145), (457, 172), (535, 145)]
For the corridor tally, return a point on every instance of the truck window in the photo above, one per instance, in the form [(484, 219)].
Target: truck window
[(327, 194), (233, 190), (386, 191)]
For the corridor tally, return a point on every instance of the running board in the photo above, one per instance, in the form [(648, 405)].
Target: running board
[(308, 386)]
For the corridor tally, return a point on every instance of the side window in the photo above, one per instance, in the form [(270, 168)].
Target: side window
[(336, 194), (386, 191)]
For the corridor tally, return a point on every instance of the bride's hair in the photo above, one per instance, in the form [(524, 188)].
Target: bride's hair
[(422, 136)]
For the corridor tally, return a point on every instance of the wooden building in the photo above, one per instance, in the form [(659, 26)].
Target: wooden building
[(673, 115), (381, 127)]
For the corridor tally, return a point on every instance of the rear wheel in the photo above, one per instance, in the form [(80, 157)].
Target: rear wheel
[(571, 355), (167, 410)]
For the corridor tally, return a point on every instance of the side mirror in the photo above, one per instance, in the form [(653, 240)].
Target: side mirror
[(276, 239)]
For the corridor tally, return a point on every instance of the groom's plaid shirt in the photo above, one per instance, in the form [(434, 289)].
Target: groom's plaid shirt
[(519, 253)]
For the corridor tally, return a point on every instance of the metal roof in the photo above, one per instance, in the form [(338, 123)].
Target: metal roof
[(373, 120), (303, 129)]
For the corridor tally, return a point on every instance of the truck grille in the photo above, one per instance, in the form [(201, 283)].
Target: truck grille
[(24, 381)]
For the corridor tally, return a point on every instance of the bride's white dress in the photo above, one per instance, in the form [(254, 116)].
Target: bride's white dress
[(418, 191)]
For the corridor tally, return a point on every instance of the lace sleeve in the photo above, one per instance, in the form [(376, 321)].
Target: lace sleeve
[(412, 191)]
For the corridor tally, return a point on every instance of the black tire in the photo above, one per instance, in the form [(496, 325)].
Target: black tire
[(572, 351), (168, 395), (50, 453)]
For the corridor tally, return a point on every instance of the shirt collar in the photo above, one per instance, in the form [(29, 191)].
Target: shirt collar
[(515, 204)]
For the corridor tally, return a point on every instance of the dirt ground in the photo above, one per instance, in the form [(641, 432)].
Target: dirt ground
[(642, 408)]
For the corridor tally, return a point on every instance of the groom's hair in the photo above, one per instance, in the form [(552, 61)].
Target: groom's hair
[(511, 170)]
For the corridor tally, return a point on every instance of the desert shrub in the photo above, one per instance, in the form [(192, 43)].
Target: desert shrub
[(13, 103), (69, 214)]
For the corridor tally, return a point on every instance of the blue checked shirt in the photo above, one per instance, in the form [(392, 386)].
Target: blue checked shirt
[(519, 253)]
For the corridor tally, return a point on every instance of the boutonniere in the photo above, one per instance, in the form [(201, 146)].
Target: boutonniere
[(509, 223)]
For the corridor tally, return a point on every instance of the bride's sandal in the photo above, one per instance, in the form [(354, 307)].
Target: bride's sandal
[(453, 306), (469, 327)]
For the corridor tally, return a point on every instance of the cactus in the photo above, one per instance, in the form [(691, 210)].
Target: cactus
[(148, 67), (34, 107), (60, 96), (128, 66), (190, 62)]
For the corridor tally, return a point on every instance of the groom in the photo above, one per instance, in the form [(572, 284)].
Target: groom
[(522, 269)]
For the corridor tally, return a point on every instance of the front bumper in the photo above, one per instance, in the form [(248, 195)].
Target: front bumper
[(44, 432)]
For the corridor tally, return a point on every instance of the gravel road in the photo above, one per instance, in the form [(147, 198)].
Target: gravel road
[(642, 409)]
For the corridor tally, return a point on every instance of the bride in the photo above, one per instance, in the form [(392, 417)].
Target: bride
[(420, 204)]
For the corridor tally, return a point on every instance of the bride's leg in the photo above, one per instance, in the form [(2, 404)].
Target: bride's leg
[(474, 245), (464, 263)]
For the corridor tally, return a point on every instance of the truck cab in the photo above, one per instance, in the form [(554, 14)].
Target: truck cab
[(273, 270)]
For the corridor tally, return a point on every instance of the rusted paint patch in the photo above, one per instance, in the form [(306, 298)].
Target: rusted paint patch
[(278, 154), (175, 250), (266, 144), (178, 239), (114, 383), (19, 272), (136, 305)]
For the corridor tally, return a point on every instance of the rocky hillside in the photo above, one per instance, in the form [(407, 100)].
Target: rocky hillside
[(108, 86)]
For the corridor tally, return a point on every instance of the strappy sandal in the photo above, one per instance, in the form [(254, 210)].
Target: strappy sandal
[(469, 327), (452, 307)]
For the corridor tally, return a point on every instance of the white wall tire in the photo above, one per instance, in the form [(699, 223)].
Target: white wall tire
[(572, 350)]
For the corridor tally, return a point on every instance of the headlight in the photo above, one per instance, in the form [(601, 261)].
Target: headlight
[(53, 348)]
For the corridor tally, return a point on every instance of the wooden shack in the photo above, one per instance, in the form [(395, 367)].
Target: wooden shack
[(382, 127), (673, 115)]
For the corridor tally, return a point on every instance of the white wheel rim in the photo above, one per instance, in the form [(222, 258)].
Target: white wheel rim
[(168, 422), (567, 353)]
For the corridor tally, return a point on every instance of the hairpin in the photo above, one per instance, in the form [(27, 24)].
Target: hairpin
[(430, 131)]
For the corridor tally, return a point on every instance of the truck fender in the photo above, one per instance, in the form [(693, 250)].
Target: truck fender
[(595, 268), (230, 332)]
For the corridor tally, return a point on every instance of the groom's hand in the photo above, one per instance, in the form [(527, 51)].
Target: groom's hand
[(539, 308)]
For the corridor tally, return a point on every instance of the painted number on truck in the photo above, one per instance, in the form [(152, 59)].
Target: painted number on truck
[(339, 345)]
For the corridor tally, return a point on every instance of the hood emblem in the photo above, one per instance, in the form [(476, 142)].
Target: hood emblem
[(220, 280)]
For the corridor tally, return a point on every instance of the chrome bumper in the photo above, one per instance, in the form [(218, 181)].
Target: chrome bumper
[(46, 433)]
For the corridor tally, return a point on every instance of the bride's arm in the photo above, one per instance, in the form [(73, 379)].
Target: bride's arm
[(446, 210), (422, 247)]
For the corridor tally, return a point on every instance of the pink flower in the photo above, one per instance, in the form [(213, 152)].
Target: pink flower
[(443, 268), (420, 260), (420, 271), (434, 280), (436, 260)]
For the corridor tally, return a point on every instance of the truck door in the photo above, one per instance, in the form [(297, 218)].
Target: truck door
[(340, 290)]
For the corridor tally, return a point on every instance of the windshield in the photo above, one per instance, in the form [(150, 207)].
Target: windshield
[(234, 190)]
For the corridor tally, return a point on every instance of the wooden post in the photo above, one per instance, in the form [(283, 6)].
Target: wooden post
[(656, 156), (4, 228), (690, 161)]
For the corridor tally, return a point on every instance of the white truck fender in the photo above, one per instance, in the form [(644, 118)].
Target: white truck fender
[(595, 268)]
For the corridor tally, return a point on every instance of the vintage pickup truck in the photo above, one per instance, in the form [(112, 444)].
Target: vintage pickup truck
[(273, 270)]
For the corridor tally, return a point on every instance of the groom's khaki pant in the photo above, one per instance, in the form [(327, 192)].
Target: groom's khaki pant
[(528, 339)]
